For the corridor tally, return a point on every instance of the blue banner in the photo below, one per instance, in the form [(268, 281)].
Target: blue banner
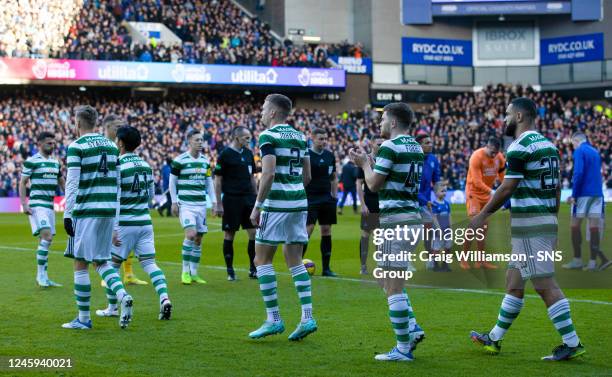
[(572, 49), (354, 65), (436, 51)]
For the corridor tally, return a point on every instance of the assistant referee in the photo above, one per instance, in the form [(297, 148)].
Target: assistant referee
[(322, 192), (235, 179)]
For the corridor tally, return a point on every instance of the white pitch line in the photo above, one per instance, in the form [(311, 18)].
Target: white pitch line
[(446, 289)]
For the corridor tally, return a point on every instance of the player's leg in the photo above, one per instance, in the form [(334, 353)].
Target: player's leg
[(303, 286), (195, 258), (559, 313), (364, 244), (111, 310), (578, 213), (245, 222), (294, 227), (82, 293), (595, 219), (228, 253), (267, 237), (327, 218), (187, 219), (128, 273), (100, 232), (196, 253), (511, 306), (311, 220), (42, 257)]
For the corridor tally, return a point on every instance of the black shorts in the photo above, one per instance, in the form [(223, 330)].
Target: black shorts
[(370, 221), (325, 214), (237, 212)]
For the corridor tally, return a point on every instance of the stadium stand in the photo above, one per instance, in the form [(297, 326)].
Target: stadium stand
[(458, 125), (213, 32)]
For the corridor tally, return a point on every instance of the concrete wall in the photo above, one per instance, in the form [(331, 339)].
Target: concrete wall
[(273, 13)]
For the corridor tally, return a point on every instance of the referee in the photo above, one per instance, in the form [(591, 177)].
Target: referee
[(322, 193), (234, 177)]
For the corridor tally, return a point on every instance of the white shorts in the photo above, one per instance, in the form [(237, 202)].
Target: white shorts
[(42, 218), (588, 206), (92, 241), (193, 217), (282, 227), (536, 263), (398, 248), (137, 238)]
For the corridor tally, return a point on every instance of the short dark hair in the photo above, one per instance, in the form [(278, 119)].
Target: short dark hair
[(401, 112), (192, 133), (525, 106), (86, 115), (493, 141), (421, 136), (44, 135), (281, 102), (319, 131), (130, 136), (113, 119), (238, 129)]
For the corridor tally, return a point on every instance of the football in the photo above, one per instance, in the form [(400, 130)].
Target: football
[(310, 266)]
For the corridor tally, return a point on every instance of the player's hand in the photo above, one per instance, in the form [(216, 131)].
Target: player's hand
[(26, 209), (116, 240), (477, 222), (219, 209), (68, 227), (358, 156), (255, 217), (364, 209), (175, 209), (571, 201)]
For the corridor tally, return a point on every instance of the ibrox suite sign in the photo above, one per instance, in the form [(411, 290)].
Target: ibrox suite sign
[(17, 70)]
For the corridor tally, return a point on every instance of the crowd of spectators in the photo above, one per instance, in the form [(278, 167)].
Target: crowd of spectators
[(212, 32), (458, 125)]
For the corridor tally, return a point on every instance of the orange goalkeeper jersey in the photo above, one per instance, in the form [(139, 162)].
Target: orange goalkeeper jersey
[(482, 173)]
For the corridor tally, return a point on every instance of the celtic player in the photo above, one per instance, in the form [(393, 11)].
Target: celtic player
[(111, 124), (396, 177), (134, 230), (280, 214), (92, 195), (189, 181), (43, 171), (532, 183)]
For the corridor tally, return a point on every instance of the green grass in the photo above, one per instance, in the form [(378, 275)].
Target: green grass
[(207, 335)]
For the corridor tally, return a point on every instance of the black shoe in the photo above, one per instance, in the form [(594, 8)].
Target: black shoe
[(253, 274), (329, 273), (161, 213), (565, 352)]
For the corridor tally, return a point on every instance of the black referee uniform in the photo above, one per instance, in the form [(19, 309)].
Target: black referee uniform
[(321, 204), (236, 168)]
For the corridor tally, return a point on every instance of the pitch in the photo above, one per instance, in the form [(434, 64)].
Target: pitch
[(211, 322)]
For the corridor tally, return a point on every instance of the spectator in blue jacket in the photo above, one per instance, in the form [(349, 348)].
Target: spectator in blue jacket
[(587, 201), (429, 177)]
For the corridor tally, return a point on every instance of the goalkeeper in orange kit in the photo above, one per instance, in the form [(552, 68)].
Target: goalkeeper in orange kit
[(487, 165)]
